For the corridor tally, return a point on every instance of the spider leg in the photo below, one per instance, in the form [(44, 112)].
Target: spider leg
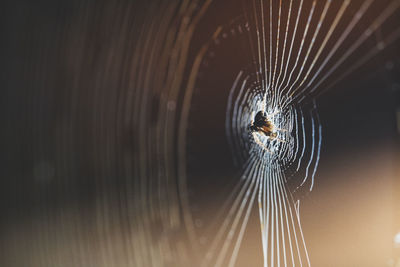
[(257, 140), (283, 130)]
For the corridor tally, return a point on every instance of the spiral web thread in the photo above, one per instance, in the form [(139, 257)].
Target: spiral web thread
[(299, 51)]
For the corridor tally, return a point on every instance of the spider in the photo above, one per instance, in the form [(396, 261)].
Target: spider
[(264, 126)]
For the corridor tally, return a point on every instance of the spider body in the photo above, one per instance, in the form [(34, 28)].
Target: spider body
[(263, 125)]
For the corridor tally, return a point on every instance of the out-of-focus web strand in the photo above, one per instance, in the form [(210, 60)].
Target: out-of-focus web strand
[(144, 257)]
